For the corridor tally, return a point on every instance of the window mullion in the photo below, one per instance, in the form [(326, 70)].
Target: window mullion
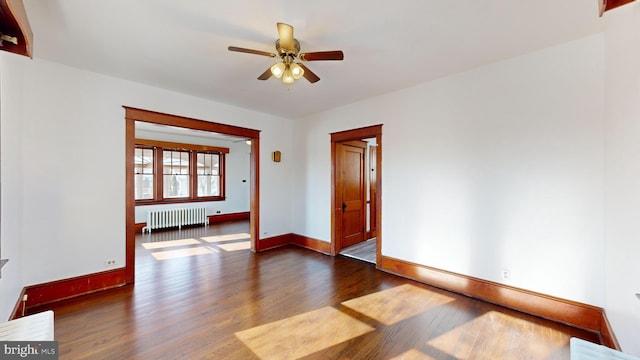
[(158, 174), (193, 174), (221, 175)]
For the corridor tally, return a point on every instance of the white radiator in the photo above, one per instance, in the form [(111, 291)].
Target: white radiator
[(160, 219), (36, 327)]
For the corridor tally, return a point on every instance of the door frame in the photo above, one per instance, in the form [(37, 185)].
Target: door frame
[(374, 131), (131, 116), (372, 198)]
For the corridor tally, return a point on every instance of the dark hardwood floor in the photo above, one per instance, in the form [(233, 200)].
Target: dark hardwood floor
[(208, 297)]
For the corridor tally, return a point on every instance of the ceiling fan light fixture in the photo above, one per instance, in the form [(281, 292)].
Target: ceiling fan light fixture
[(296, 71), (278, 69), (287, 77)]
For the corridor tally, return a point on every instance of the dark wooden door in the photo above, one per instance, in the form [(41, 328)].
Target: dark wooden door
[(350, 194)]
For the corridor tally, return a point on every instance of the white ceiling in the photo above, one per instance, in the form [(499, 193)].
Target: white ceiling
[(388, 45)]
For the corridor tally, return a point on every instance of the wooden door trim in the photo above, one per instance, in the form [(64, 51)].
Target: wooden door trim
[(374, 131), (131, 116), (372, 199)]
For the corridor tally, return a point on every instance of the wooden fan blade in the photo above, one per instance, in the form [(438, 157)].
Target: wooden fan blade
[(308, 74), (322, 55), (285, 34), (251, 51), (265, 75)]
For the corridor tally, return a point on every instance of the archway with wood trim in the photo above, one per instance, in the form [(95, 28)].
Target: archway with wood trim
[(131, 116)]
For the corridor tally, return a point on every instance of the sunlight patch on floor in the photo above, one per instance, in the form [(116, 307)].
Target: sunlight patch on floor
[(228, 237), (396, 304), (303, 334), (412, 354), (459, 341), (243, 245), (180, 253), (170, 243)]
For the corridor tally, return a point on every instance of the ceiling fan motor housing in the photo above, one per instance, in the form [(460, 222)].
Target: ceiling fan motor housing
[(288, 52)]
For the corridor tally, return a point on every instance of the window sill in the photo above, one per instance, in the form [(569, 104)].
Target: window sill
[(177, 201)]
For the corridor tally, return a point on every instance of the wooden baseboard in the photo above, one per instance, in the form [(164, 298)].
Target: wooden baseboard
[(273, 242), (312, 244), (607, 5), (50, 292), (138, 227), (218, 218), (294, 239), (568, 312)]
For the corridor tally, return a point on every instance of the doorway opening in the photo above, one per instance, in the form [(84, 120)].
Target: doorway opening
[(356, 193), (133, 115)]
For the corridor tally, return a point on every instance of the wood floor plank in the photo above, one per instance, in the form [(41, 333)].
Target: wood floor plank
[(227, 303)]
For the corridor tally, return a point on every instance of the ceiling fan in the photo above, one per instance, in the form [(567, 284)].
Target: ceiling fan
[(288, 49)]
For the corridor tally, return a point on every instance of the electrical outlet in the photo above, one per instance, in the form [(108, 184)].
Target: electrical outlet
[(506, 275), (110, 262)]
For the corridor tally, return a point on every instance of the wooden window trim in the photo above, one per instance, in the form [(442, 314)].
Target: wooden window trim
[(181, 146), (158, 176)]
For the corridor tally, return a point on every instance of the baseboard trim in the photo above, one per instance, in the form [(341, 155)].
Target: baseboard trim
[(273, 242), (294, 239), (311, 244), (583, 316), (218, 218), (46, 293), (138, 227)]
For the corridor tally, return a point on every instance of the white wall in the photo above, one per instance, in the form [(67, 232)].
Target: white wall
[(498, 167), (11, 207), (622, 144), (71, 189)]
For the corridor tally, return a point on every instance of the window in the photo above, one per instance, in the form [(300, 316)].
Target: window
[(208, 174), (173, 172), (143, 165)]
